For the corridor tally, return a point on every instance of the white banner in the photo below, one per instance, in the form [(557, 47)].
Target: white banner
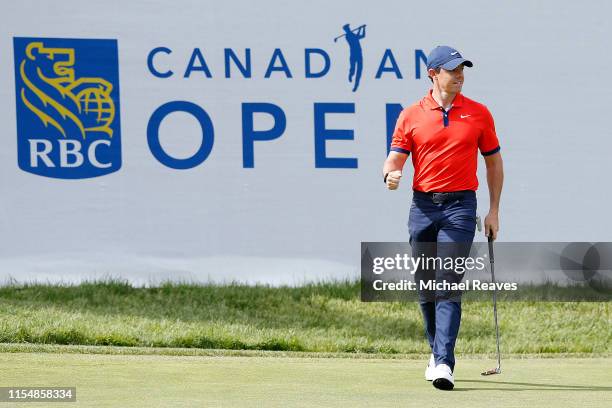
[(244, 141)]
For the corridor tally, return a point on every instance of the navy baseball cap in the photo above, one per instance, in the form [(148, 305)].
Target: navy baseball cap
[(446, 57)]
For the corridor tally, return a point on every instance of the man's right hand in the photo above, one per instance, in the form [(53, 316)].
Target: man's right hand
[(393, 179)]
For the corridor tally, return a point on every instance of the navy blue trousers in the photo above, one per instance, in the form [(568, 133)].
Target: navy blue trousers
[(441, 230)]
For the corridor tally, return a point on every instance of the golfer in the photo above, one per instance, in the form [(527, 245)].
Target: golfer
[(353, 37), (444, 132)]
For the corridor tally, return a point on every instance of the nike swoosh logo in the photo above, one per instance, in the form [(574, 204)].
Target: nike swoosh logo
[(465, 116), (453, 53)]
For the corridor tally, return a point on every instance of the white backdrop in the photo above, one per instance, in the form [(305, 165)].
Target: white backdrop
[(541, 68)]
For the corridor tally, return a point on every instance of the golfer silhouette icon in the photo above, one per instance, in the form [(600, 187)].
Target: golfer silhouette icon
[(353, 37)]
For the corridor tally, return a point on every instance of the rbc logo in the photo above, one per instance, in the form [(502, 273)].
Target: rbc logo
[(67, 95)]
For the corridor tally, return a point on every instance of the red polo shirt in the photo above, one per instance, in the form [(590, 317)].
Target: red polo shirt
[(445, 145)]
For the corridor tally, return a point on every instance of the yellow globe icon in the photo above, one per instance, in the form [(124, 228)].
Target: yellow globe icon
[(97, 108)]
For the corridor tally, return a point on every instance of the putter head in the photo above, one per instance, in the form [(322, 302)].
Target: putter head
[(492, 371)]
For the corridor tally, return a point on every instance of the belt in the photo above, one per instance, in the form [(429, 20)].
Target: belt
[(440, 198)]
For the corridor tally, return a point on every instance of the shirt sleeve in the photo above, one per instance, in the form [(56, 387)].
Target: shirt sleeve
[(402, 139), (488, 142)]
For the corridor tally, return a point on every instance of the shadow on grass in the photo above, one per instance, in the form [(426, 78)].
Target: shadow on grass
[(526, 386)]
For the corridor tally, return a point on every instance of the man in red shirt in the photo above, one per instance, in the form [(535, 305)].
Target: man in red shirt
[(444, 132)]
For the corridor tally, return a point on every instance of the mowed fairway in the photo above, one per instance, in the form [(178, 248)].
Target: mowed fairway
[(188, 381)]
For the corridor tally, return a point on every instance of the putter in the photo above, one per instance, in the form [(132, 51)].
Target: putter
[(496, 370)]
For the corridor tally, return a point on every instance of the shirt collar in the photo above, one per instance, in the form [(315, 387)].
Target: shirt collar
[(430, 102)]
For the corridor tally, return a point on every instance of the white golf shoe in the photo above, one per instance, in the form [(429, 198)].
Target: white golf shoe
[(443, 377), (431, 369)]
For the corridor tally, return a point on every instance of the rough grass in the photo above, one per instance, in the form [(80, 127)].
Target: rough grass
[(324, 317)]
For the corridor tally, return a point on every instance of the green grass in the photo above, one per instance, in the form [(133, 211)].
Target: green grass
[(162, 381), (325, 317)]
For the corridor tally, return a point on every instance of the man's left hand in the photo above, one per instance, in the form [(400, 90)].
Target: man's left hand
[(491, 225)]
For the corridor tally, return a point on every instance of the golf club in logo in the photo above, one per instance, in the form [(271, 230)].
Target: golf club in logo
[(67, 95), (353, 38)]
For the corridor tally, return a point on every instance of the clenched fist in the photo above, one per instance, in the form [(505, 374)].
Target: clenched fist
[(393, 179)]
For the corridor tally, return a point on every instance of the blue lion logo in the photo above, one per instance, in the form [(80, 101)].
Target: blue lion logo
[(67, 107)]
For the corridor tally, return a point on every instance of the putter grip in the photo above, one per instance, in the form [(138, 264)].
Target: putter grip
[(491, 257)]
